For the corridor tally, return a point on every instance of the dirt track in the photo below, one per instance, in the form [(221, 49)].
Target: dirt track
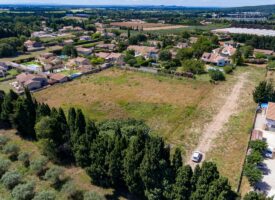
[(212, 129)]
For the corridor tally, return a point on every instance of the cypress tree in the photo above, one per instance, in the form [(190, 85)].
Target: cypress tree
[(7, 107), (177, 160), (182, 186), (71, 119), (80, 123)]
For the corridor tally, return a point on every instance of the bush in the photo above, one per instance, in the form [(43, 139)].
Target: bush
[(71, 192), (256, 196), (11, 179), (39, 166), (4, 166), (3, 141), (228, 69), (24, 191), (252, 173), (193, 66), (11, 150), (216, 75), (25, 158), (54, 175), (258, 145), (45, 195), (255, 157), (93, 196)]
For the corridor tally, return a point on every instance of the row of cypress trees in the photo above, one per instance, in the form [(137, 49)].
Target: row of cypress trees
[(117, 153)]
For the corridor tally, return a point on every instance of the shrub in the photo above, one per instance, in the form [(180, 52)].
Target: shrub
[(11, 179), (256, 196), (4, 166), (228, 69), (24, 191), (71, 192), (54, 175), (25, 158), (252, 173), (11, 150), (93, 196), (255, 157), (216, 75), (193, 66), (39, 166), (3, 141), (258, 145), (45, 195)]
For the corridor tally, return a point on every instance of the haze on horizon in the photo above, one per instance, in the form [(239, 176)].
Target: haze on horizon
[(196, 3)]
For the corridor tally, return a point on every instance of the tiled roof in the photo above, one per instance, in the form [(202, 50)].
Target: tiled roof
[(270, 113)]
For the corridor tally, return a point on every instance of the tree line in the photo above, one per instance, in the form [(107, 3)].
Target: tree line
[(116, 153)]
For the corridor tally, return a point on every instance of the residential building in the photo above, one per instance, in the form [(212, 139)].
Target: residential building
[(145, 51), (106, 47), (33, 45), (76, 62), (84, 51), (85, 38), (114, 58), (270, 116), (215, 58), (31, 81), (57, 78)]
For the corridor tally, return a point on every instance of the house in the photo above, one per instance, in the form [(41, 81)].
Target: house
[(57, 78), (84, 51), (50, 62), (182, 45), (264, 52), (33, 45), (228, 51), (31, 81), (270, 116), (76, 62), (66, 29), (114, 58), (68, 42), (145, 51), (4, 66), (106, 47), (216, 59), (85, 38)]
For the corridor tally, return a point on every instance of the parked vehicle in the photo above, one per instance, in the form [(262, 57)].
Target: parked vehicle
[(196, 156), (268, 153)]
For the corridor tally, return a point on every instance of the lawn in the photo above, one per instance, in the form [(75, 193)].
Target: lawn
[(11, 73)]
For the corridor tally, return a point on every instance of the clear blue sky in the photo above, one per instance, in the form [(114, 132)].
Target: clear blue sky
[(219, 3)]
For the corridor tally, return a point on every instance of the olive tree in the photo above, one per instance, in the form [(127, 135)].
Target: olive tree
[(11, 179)]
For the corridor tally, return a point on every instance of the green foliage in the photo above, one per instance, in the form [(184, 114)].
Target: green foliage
[(271, 65), (24, 157), (177, 160), (264, 92), (237, 58), (54, 175), (45, 195), (11, 179), (256, 196), (24, 191), (97, 61), (93, 196), (216, 75), (11, 150), (228, 69), (72, 193), (69, 50), (4, 166), (39, 166), (202, 45), (165, 55), (3, 141), (258, 145), (253, 174), (254, 158), (193, 66), (185, 53)]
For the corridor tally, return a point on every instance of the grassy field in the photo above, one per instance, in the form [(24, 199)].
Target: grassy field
[(76, 175)]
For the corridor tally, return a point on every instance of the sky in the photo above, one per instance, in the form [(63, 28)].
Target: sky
[(199, 3)]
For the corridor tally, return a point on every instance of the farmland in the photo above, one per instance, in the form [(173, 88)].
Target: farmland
[(176, 109), (146, 26)]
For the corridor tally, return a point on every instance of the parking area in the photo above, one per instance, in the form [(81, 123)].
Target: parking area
[(267, 185)]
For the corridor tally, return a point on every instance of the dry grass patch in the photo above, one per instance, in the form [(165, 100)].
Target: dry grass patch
[(174, 109)]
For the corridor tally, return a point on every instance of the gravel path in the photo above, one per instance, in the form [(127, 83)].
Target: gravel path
[(212, 129)]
